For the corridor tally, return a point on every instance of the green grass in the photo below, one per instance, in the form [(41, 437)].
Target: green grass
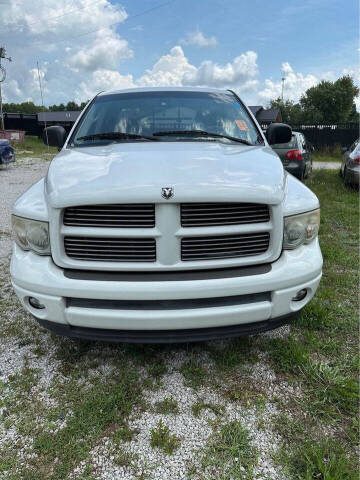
[(229, 454), (34, 147), (167, 406), (160, 437), (318, 429), (328, 154), (321, 353)]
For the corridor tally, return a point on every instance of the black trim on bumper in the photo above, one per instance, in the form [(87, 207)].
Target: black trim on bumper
[(179, 304), (174, 275), (166, 336)]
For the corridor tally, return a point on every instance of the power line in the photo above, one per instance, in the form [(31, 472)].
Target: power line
[(130, 17)]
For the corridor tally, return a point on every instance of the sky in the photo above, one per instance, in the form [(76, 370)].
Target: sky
[(86, 46)]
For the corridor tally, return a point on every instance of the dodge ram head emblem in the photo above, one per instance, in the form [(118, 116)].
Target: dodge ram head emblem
[(167, 192)]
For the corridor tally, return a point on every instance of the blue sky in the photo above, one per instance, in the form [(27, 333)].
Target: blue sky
[(85, 46)]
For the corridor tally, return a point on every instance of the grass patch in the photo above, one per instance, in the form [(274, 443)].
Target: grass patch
[(167, 406), (94, 410), (199, 406), (195, 375), (328, 154), (324, 461), (160, 437), (230, 454), (34, 147)]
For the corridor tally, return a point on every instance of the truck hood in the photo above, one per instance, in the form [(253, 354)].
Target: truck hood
[(136, 172)]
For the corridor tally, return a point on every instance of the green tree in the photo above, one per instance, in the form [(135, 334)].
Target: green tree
[(354, 114), (291, 112), (24, 107), (330, 101)]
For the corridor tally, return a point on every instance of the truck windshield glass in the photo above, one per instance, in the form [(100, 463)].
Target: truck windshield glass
[(140, 115)]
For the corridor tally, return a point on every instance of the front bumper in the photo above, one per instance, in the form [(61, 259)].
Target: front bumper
[(74, 306)]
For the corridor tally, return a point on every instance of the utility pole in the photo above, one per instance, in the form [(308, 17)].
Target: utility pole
[(2, 78), (282, 84)]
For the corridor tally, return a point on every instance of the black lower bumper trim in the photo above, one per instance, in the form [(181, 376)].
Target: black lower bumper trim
[(166, 336)]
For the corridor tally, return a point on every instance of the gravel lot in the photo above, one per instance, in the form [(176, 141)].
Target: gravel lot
[(47, 385)]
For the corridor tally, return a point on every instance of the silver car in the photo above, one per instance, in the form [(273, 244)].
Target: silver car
[(296, 155), (350, 167)]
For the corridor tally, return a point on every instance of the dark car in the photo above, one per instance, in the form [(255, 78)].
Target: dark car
[(296, 155), (7, 153), (350, 167)]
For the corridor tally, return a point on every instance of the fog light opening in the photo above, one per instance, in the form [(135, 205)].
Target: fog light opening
[(35, 303), (301, 294)]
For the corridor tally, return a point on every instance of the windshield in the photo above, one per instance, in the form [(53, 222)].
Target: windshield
[(140, 115)]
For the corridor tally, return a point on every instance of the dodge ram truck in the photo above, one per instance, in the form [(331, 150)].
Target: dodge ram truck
[(165, 217)]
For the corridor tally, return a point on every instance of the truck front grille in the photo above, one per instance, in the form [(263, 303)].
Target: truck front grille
[(229, 246), (111, 216), (111, 249), (212, 214)]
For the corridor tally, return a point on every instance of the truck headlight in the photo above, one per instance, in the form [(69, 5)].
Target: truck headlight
[(31, 234), (299, 229)]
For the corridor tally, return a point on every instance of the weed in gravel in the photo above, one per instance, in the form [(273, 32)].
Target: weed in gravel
[(124, 434), (326, 461), (199, 406), (125, 459), (230, 454), (195, 375), (94, 408), (238, 351), (160, 437), (167, 406)]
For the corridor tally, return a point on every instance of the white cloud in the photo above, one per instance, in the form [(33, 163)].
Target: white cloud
[(103, 80), (198, 38), (295, 85), (169, 70), (67, 17), (105, 52), (174, 69), (240, 73)]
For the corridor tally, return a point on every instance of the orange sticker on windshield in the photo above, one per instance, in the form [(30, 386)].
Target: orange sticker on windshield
[(242, 125)]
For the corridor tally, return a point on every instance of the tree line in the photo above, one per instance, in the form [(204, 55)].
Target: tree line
[(30, 107), (327, 102)]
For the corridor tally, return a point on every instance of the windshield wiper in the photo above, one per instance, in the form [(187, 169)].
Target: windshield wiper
[(117, 135), (200, 133)]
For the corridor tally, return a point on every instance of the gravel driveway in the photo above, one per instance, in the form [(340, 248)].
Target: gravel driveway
[(80, 410)]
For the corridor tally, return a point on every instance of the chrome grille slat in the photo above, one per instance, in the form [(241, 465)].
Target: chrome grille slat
[(111, 216), (228, 246), (217, 214), (111, 249)]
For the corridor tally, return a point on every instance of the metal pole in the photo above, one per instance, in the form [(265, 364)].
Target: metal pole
[(1, 109), (42, 103)]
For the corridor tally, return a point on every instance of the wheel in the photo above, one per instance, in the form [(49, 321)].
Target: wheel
[(346, 178)]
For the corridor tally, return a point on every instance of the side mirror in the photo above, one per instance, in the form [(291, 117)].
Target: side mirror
[(54, 136), (278, 133)]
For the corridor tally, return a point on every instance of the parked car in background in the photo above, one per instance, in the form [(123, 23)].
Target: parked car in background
[(296, 155), (7, 153), (350, 167)]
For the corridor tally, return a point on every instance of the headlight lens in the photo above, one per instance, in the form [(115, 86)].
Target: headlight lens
[(31, 235), (299, 229)]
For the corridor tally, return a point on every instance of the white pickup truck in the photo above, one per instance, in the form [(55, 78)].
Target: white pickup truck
[(166, 216)]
